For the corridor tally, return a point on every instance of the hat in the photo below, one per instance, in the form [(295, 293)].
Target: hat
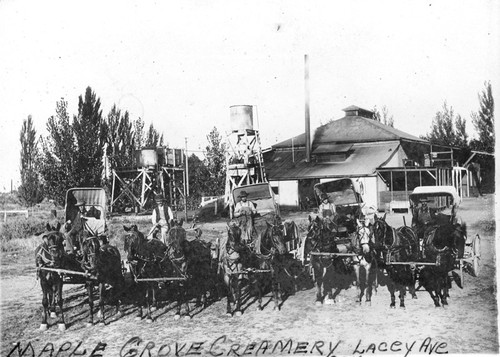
[(159, 197), (243, 194), (79, 203), (324, 196)]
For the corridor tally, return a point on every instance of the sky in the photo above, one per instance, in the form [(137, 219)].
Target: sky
[(181, 64)]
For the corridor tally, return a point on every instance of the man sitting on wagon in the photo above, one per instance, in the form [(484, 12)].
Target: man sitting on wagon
[(423, 218), (244, 210), (327, 209)]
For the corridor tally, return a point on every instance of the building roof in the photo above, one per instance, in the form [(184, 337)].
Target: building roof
[(350, 129), (364, 159)]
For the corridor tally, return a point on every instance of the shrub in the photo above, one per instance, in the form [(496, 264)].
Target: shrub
[(21, 227)]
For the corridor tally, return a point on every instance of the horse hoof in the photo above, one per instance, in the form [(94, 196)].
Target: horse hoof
[(149, 321), (61, 327), (187, 317), (329, 301), (402, 307), (318, 303), (43, 327), (238, 313), (120, 313), (276, 308), (414, 297), (89, 324), (177, 317), (392, 306), (368, 303), (228, 314), (53, 315), (138, 318), (153, 309), (102, 324)]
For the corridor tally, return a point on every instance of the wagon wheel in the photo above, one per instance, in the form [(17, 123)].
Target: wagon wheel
[(476, 255)]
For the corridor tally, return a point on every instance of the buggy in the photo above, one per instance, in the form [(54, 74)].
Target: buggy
[(443, 204), (94, 207)]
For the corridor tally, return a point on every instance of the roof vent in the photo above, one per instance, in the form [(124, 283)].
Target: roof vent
[(353, 110)]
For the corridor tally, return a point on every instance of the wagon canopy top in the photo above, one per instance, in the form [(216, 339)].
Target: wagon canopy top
[(342, 192), (94, 202), (431, 193)]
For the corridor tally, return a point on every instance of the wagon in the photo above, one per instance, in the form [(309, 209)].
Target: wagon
[(95, 208), (443, 203), (268, 211), (94, 221)]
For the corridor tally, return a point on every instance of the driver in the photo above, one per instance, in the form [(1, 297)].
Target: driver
[(423, 218), (244, 210), (326, 209)]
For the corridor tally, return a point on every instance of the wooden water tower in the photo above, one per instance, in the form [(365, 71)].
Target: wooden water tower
[(156, 170), (244, 161)]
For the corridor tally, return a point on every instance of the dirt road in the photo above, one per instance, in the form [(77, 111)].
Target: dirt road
[(467, 325)]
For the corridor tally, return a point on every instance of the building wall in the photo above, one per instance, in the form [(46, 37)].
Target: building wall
[(397, 159), (288, 193)]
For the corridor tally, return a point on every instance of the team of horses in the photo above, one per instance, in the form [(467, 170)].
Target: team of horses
[(405, 259), (236, 268), (183, 269)]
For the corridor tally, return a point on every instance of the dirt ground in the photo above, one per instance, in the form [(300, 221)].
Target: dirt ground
[(467, 325)]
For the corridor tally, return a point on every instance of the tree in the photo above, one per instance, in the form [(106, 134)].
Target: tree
[(30, 192), (484, 121), (153, 137), (57, 164), (120, 139), (447, 128), (138, 133), (383, 116), (90, 134), (215, 161), (199, 181)]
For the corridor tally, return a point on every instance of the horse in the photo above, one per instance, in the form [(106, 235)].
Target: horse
[(442, 245), (50, 254), (269, 250), (396, 246), (145, 259), (233, 258), (202, 270), (177, 247), (362, 246), (102, 263), (320, 239)]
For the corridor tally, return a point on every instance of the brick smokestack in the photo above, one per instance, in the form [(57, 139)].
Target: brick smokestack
[(307, 116)]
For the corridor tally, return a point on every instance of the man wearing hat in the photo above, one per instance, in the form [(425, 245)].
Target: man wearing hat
[(326, 208), (423, 217), (245, 210), (162, 215), (76, 226)]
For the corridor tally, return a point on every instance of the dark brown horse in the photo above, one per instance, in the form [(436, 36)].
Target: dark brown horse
[(233, 259), (270, 250), (321, 239), (50, 254), (102, 262), (397, 246), (443, 245)]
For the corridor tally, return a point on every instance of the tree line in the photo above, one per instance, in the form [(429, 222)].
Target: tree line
[(72, 154)]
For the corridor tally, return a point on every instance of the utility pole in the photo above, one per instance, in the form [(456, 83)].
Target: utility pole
[(187, 167), (186, 183)]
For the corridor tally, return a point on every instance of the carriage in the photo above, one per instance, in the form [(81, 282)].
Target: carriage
[(94, 208), (443, 204)]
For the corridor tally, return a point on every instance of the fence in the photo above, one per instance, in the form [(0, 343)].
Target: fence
[(25, 212)]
